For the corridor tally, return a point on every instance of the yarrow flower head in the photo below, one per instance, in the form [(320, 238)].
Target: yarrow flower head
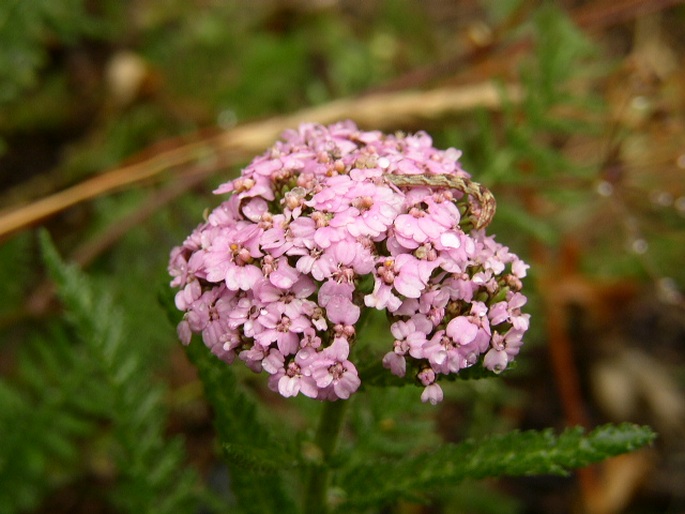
[(333, 221)]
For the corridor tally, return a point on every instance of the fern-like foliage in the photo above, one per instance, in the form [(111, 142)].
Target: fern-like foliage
[(151, 475), (256, 459), (44, 416), (372, 473), (513, 454), (522, 144)]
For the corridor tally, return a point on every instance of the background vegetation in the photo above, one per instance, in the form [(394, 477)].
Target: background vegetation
[(135, 110)]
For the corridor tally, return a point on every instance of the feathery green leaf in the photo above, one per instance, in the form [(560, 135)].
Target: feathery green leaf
[(515, 454), (152, 476), (246, 439)]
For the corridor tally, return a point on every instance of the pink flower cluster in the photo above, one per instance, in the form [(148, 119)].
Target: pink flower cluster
[(274, 275)]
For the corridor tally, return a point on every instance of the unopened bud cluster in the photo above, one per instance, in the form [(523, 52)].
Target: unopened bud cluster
[(313, 233)]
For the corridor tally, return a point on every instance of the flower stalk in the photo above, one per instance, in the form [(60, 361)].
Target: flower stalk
[(327, 434)]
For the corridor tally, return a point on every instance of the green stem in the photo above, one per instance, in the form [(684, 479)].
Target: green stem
[(330, 423)]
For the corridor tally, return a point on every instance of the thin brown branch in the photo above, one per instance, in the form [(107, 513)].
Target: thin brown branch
[(39, 301), (85, 253), (598, 15), (378, 111)]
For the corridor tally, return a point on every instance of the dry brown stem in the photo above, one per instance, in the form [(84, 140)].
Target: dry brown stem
[(378, 111)]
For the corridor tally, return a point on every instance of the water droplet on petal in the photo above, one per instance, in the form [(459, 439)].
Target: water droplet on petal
[(383, 163)]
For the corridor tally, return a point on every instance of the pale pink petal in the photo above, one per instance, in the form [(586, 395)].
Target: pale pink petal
[(432, 394)]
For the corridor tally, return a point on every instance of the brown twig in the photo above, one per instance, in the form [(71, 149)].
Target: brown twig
[(598, 15), (42, 296), (378, 111)]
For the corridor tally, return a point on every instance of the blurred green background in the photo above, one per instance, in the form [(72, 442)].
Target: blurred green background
[(587, 164)]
